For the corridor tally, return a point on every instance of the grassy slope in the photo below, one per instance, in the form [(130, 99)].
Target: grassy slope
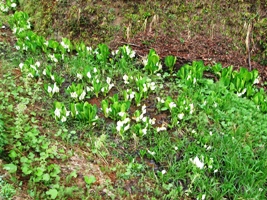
[(238, 141)]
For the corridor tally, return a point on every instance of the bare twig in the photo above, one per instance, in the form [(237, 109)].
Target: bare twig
[(154, 22), (248, 45), (128, 31)]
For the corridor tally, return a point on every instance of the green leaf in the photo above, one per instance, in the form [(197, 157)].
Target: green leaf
[(164, 108), (89, 180), (53, 193), (11, 168), (170, 61), (39, 171), (13, 154), (25, 169), (46, 177)]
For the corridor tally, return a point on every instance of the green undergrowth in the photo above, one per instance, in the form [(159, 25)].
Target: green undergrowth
[(90, 123)]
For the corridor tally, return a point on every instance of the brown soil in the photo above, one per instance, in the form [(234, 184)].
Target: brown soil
[(216, 49)]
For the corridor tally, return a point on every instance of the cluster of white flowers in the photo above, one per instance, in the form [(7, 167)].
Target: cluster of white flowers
[(145, 87), (130, 52), (24, 47), (13, 5), (141, 116), (89, 75), (159, 65), (203, 197), (242, 92), (53, 58), (65, 46), (3, 7), (53, 90), (122, 114), (89, 49), (44, 72), (95, 70), (181, 116), (197, 162), (160, 100), (207, 147), (129, 94), (114, 52), (188, 77), (79, 76), (21, 65), (125, 78), (89, 89), (74, 95), (58, 114), (123, 125), (110, 85), (144, 131), (108, 110), (256, 81), (52, 77), (151, 152), (145, 61), (191, 106), (144, 119), (17, 30), (81, 97), (172, 105), (151, 85), (161, 128), (29, 67)]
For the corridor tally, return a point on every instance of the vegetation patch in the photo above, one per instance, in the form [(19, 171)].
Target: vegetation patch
[(101, 21), (85, 122)]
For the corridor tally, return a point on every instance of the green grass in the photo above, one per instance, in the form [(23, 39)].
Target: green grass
[(178, 137)]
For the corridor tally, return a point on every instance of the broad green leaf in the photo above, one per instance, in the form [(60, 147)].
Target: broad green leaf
[(46, 177), (12, 154), (11, 168), (89, 180), (53, 193), (25, 169), (170, 61)]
